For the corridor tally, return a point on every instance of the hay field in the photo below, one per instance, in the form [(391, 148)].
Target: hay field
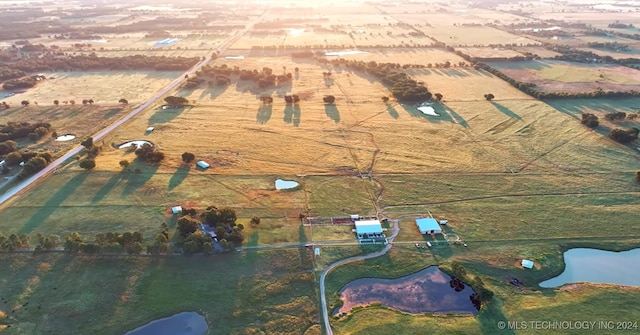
[(490, 52), (325, 148), (293, 38), (632, 53), (101, 86), (554, 76), (422, 56), (468, 36), (540, 51), (270, 291), (138, 41)]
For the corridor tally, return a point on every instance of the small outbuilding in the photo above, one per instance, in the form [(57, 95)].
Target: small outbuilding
[(150, 129), (428, 226), (527, 264), (369, 229), (202, 164), (176, 209)]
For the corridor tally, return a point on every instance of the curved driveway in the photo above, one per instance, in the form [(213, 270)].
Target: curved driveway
[(325, 272)]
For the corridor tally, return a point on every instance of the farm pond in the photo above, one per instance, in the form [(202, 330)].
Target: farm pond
[(282, 184), (185, 323), (426, 291), (598, 266)]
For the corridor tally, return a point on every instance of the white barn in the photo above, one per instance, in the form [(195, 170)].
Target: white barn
[(368, 229), (428, 226), (176, 209)]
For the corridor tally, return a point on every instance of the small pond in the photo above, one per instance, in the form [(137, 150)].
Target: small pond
[(598, 266), (426, 291), (427, 110), (64, 138), (185, 323), (138, 143), (282, 184)]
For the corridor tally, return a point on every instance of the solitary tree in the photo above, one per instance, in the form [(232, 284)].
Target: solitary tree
[(489, 96), (256, 220), (87, 143), (87, 164), (438, 96), (385, 99), (123, 101), (24, 103), (590, 120), (329, 99), (56, 102), (188, 157), (638, 177), (124, 163)]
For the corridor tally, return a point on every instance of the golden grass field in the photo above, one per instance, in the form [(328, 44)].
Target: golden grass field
[(516, 178), (104, 87)]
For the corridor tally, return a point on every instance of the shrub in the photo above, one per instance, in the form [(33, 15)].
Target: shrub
[(590, 120), (615, 116), (124, 163), (41, 131), (87, 143), (329, 99), (489, 96)]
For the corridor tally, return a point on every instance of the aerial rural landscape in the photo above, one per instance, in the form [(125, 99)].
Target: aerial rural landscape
[(321, 167)]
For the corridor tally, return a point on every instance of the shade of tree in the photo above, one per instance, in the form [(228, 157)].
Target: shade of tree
[(489, 96), (590, 120), (187, 225), (188, 157), (87, 164)]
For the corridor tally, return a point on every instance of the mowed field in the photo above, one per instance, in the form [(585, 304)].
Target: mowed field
[(272, 292), (555, 76), (472, 36), (104, 87)]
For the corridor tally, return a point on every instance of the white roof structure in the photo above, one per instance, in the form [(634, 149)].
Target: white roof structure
[(444, 221), (202, 164), (426, 225), (527, 264), (368, 227), (150, 129), (176, 209)]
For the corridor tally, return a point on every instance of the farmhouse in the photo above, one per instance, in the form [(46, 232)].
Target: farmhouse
[(369, 229), (428, 226), (202, 164)]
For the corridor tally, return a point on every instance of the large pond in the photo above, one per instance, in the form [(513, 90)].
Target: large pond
[(185, 323), (598, 266), (282, 184), (5, 94), (426, 291)]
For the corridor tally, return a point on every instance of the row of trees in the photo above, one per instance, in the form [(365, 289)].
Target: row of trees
[(220, 75), (624, 135), (58, 61), (22, 82), (19, 130)]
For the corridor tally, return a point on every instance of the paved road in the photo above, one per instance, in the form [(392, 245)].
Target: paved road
[(29, 182)]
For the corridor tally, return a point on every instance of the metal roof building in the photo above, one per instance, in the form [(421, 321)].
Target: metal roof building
[(369, 229), (428, 226)]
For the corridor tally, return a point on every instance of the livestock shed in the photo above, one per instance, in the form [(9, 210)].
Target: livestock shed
[(367, 229), (176, 209), (202, 164), (428, 226), (527, 264)]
